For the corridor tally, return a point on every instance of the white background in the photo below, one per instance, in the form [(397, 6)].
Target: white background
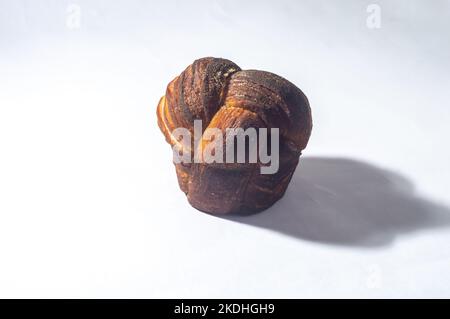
[(89, 203)]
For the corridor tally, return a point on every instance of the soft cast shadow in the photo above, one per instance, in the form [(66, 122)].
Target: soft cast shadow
[(346, 202)]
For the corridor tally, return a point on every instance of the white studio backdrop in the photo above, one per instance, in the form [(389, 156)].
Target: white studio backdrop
[(89, 202)]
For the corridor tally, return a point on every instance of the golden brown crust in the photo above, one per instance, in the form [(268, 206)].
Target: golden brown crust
[(223, 96)]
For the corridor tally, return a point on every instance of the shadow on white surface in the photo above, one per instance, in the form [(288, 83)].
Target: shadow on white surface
[(347, 202)]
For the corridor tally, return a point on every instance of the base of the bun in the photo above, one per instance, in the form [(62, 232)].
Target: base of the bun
[(241, 211), (243, 191)]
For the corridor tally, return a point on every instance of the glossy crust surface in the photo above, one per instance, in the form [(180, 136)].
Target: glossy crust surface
[(223, 96)]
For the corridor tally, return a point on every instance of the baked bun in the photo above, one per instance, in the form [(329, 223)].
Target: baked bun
[(221, 95)]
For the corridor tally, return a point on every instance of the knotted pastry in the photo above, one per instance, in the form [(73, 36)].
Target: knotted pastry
[(221, 95)]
